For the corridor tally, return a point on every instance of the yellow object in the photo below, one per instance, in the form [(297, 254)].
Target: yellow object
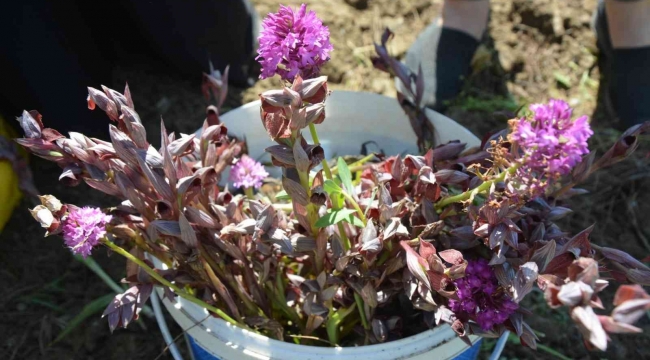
[(9, 191)]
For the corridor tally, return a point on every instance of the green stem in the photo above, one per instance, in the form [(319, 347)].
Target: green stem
[(344, 237), (312, 211), (314, 136), (346, 246), (355, 165), (383, 258), (483, 187), (362, 216), (334, 321), (288, 207), (281, 300), (362, 312), (304, 181), (249, 193), (163, 281)]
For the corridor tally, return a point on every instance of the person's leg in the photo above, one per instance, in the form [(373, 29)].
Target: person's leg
[(445, 49), (469, 16), (48, 57), (189, 34), (624, 38), (629, 23), (51, 51)]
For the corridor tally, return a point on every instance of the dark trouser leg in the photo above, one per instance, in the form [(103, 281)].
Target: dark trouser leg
[(51, 51), (626, 55), (188, 34), (48, 57)]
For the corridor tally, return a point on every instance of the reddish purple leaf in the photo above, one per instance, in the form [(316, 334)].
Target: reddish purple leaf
[(416, 264), (452, 256)]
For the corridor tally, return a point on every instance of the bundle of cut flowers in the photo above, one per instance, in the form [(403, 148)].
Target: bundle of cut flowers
[(352, 251)]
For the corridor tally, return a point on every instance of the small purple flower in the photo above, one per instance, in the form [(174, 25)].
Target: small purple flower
[(293, 43), (247, 173), (551, 142), (83, 229), (478, 298)]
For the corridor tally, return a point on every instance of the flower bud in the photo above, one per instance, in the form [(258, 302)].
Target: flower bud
[(51, 203), (43, 215), (315, 113), (312, 90), (298, 120), (277, 98), (96, 97)]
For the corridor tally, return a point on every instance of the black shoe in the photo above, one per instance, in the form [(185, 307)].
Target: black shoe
[(445, 56)]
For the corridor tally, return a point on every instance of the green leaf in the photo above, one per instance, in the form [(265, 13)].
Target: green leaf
[(338, 201), (334, 321), (335, 217), (331, 187), (512, 338), (345, 175), (94, 266), (91, 308), (355, 221), (335, 192), (282, 195), (45, 303)]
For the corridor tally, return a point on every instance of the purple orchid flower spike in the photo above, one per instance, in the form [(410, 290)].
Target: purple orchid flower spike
[(84, 228), (293, 43), (248, 173)]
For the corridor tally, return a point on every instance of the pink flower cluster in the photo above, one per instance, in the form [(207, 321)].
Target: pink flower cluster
[(247, 173), (480, 298), (293, 43), (84, 228), (552, 143)]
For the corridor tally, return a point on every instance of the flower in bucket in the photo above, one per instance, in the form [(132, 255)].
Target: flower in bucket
[(350, 254), (293, 42), (480, 297)]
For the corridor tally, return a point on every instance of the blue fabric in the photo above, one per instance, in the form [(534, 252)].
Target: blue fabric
[(201, 354)]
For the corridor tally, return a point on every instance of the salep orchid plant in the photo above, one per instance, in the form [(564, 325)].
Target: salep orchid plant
[(350, 252)]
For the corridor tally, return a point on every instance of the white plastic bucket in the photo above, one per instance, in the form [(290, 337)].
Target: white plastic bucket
[(351, 119)]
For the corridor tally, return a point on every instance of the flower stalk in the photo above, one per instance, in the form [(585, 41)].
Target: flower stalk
[(357, 165), (328, 175), (314, 136), (344, 237), (362, 312), (356, 206), (248, 191), (480, 189), (168, 284)]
